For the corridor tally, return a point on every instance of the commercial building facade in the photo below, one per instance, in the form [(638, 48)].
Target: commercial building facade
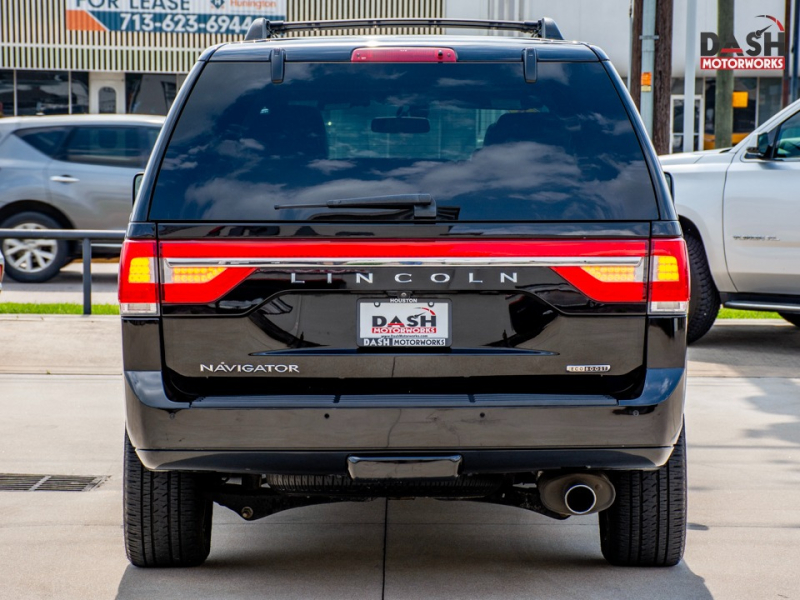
[(50, 66), (57, 56), (608, 24)]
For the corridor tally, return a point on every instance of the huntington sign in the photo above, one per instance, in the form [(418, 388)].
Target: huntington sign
[(764, 49), (232, 17)]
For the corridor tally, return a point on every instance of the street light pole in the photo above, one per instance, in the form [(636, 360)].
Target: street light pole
[(688, 80)]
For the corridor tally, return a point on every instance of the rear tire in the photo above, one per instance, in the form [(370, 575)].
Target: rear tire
[(704, 301), (793, 318), (33, 260), (646, 525), (167, 516)]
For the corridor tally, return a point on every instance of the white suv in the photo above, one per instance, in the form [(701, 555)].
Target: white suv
[(740, 210)]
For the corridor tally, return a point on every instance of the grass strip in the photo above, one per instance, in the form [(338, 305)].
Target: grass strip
[(63, 308), (734, 313)]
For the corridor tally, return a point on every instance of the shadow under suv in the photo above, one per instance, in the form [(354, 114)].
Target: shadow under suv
[(366, 267)]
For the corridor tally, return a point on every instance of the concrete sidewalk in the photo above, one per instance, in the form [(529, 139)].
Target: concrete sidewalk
[(73, 344), (61, 413), (60, 344)]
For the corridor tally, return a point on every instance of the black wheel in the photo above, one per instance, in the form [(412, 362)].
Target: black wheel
[(33, 260), (646, 525), (793, 318), (167, 516), (704, 300)]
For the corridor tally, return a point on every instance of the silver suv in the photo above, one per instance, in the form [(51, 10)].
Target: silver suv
[(63, 173)]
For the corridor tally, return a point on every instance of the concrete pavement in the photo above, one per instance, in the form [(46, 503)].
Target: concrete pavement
[(744, 451), (63, 344)]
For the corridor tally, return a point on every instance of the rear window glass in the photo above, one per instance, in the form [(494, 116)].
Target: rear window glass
[(483, 143)]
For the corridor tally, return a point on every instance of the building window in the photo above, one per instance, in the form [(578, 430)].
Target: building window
[(150, 94), (42, 93), (745, 99), (107, 100), (6, 93), (769, 97), (79, 92), (677, 103)]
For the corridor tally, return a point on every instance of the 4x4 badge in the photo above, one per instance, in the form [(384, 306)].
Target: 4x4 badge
[(588, 368)]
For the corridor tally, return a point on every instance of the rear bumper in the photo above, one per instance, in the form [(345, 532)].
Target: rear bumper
[(494, 433)]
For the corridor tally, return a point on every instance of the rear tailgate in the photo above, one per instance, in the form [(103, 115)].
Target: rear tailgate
[(387, 226), (455, 316)]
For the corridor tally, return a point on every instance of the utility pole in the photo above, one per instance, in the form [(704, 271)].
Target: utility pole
[(662, 78), (786, 90), (723, 98), (648, 63), (796, 17), (635, 87), (630, 45), (688, 82)]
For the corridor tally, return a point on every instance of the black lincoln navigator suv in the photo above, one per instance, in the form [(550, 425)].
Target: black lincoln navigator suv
[(380, 266)]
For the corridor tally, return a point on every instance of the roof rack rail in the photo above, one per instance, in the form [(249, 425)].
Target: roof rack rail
[(544, 28)]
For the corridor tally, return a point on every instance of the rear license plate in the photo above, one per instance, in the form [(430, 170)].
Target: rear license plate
[(408, 323)]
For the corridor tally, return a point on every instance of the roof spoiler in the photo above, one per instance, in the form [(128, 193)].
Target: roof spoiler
[(264, 29)]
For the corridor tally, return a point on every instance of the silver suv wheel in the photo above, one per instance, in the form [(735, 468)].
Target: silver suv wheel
[(29, 256), (32, 260)]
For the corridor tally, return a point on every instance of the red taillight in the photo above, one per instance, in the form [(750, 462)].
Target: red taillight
[(608, 283), (568, 252), (200, 284), (621, 279), (669, 277), (138, 279), (202, 272), (191, 278), (433, 55)]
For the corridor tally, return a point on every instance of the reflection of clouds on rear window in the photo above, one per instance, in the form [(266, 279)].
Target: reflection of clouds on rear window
[(609, 126), (330, 166), (559, 73), (483, 142), (451, 82)]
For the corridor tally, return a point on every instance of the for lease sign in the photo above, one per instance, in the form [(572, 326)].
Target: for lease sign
[(171, 16)]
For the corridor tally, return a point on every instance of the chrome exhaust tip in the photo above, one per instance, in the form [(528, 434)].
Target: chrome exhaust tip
[(580, 499), (575, 494)]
